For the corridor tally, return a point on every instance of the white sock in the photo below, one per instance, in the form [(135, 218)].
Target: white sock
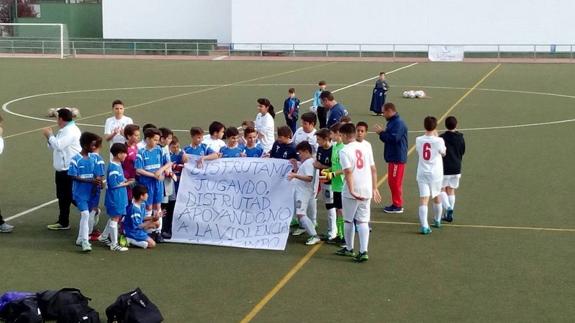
[(437, 211), (308, 225), (423, 216), (349, 233), (106, 231), (84, 226), (313, 212), (113, 232), (445, 201), (91, 221), (141, 244), (331, 223), (159, 229), (452, 201), (363, 233)]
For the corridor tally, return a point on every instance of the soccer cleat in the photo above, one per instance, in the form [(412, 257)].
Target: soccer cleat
[(425, 231), (436, 224), (86, 246), (298, 232), (57, 226), (448, 215), (393, 209), (117, 247), (78, 242), (105, 240), (345, 252), (6, 228), (361, 257), (312, 240)]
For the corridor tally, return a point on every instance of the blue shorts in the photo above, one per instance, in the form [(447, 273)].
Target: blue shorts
[(82, 204), (155, 192), (94, 200)]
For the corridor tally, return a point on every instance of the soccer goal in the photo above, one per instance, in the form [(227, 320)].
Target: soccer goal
[(24, 39)]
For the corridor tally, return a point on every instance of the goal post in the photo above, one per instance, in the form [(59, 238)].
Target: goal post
[(42, 39)]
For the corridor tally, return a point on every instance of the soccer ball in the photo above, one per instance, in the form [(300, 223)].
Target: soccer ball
[(52, 112), (419, 94), (411, 94), (313, 109), (406, 94), (75, 112)]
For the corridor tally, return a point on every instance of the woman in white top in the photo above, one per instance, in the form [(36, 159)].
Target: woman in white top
[(114, 127), (265, 124)]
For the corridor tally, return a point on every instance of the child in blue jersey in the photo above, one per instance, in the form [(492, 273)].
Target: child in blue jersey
[(252, 148), (95, 200), (87, 177), (283, 147), (116, 200), (291, 110), (178, 158), (136, 223), (232, 148), (151, 165), (197, 148)]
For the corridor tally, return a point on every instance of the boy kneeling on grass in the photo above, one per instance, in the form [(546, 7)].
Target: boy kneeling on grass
[(136, 223)]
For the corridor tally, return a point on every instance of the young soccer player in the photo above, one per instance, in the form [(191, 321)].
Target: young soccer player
[(198, 148), (379, 94), (245, 124), (455, 145), (336, 176), (359, 188), (136, 223), (166, 136), (252, 148), (430, 149), (214, 139), (95, 199), (87, 176), (147, 126), (151, 165), (232, 148), (114, 126), (307, 131), (323, 163), (283, 147), (132, 133), (291, 110), (116, 200), (304, 190), (317, 107), (178, 158)]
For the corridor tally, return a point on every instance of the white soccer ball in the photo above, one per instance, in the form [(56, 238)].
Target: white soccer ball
[(411, 94), (75, 112), (419, 94), (51, 112), (313, 109), (406, 94)]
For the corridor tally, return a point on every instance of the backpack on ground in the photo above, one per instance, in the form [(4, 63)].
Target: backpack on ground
[(21, 310), (133, 307), (67, 305)]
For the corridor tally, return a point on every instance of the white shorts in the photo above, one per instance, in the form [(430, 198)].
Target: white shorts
[(451, 181), (303, 203), (427, 189), (356, 210)]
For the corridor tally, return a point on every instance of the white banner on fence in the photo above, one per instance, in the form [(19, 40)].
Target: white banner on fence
[(446, 53), (235, 202)]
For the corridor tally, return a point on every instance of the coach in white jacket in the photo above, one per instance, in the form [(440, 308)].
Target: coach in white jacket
[(65, 145)]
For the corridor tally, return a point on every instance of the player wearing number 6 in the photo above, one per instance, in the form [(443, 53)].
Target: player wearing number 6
[(430, 149), (358, 189)]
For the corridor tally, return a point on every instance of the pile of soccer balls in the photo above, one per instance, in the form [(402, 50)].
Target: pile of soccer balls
[(53, 112), (411, 94)]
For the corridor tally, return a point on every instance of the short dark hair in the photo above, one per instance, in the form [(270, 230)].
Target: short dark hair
[(309, 117), (285, 131), (389, 106), (451, 123), (430, 123), (151, 132), (148, 126), (381, 73), (323, 133), (118, 148), (327, 96), (117, 102), (165, 132), (362, 124), (291, 90), (320, 83), (99, 142), (174, 141), (248, 123), (249, 130), (345, 119), (304, 146), (87, 138), (65, 114), (232, 131), (216, 127), (194, 131), (138, 191), (347, 129), (335, 127), (130, 129)]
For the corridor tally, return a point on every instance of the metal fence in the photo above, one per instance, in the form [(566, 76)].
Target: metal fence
[(78, 47)]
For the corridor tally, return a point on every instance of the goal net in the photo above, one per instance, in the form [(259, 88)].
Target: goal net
[(23, 39)]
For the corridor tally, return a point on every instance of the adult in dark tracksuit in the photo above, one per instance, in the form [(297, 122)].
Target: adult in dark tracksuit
[(379, 93), (395, 154), (335, 110), (4, 227), (291, 110)]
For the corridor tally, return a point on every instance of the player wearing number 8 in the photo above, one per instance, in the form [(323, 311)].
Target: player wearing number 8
[(430, 149)]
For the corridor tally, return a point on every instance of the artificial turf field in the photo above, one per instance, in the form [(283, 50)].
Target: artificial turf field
[(507, 257)]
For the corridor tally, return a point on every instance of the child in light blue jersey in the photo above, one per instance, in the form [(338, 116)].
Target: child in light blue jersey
[(136, 223), (252, 148), (87, 177), (197, 148), (232, 148), (95, 199)]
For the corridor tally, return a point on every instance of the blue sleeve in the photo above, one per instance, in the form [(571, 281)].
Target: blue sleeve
[(393, 133), (114, 178), (209, 151), (139, 161), (286, 106), (100, 169), (335, 117), (73, 168), (296, 108)]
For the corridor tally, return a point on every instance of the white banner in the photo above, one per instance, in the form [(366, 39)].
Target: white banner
[(235, 202), (446, 53)]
